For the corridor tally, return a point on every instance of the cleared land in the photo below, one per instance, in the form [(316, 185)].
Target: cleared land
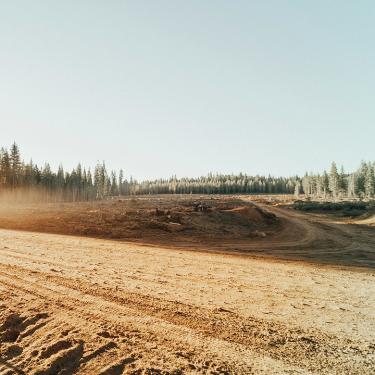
[(72, 304)]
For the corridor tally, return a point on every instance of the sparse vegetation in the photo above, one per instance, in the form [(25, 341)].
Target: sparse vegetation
[(350, 209)]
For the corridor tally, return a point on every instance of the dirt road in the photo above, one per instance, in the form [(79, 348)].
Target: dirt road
[(94, 306), (318, 238)]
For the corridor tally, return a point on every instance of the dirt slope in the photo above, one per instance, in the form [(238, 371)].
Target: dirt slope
[(214, 223), (180, 220), (93, 306)]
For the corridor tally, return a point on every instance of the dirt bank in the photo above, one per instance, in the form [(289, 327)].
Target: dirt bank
[(151, 219), (244, 224)]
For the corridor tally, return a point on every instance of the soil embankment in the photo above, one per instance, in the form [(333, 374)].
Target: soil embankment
[(218, 223)]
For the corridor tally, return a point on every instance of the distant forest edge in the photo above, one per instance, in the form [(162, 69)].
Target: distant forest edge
[(27, 181)]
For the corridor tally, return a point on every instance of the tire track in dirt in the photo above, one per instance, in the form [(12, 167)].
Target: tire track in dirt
[(141, 334), (320, 239), (293, 346), (80, 319)]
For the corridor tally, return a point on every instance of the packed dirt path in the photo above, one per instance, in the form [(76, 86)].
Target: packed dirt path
[(94, 306), (317, 238)]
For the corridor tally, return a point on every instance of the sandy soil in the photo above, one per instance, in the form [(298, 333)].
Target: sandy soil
[(70, 304), (370, 220)]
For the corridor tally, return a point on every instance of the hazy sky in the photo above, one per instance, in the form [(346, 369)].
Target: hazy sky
[(187, 87)]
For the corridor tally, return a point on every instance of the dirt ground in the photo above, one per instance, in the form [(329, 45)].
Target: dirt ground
[(181, 220), (261, 226), (276, 292)]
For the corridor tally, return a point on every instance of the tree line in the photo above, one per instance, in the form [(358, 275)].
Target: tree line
[(338, 184), (27, 180)]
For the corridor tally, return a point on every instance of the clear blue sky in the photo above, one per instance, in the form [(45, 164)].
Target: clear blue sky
[(188, 87)]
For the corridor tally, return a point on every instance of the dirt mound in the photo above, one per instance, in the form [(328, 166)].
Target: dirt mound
[(254, 214), (158, 220)]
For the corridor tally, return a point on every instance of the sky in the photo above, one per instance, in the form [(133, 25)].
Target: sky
[(184, 88)]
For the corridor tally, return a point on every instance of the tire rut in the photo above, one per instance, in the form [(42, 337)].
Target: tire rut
[(309, 349)]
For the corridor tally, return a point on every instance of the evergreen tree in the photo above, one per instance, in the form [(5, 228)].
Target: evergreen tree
[(5, 168), (319, 185), (306, 185), (342, 182), (325, 184), (352, 186), (15, 164), (334, 180), (121, 182), (361, 178), (369, 182), (113, 185), (297, 189)]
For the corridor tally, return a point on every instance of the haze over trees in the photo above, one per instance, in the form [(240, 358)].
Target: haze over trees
[(20, 180)]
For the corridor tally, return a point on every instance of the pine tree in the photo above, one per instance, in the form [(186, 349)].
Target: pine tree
[(319, 185), (60, 181), (15, 165), (334, 180), (325, 184), (5, 168), (121, 182), (113, 185), (28, 175), (90, 186), (352, 186), (342, 181), (297, 189), (369, 182), (101, 181), (361, 178)]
